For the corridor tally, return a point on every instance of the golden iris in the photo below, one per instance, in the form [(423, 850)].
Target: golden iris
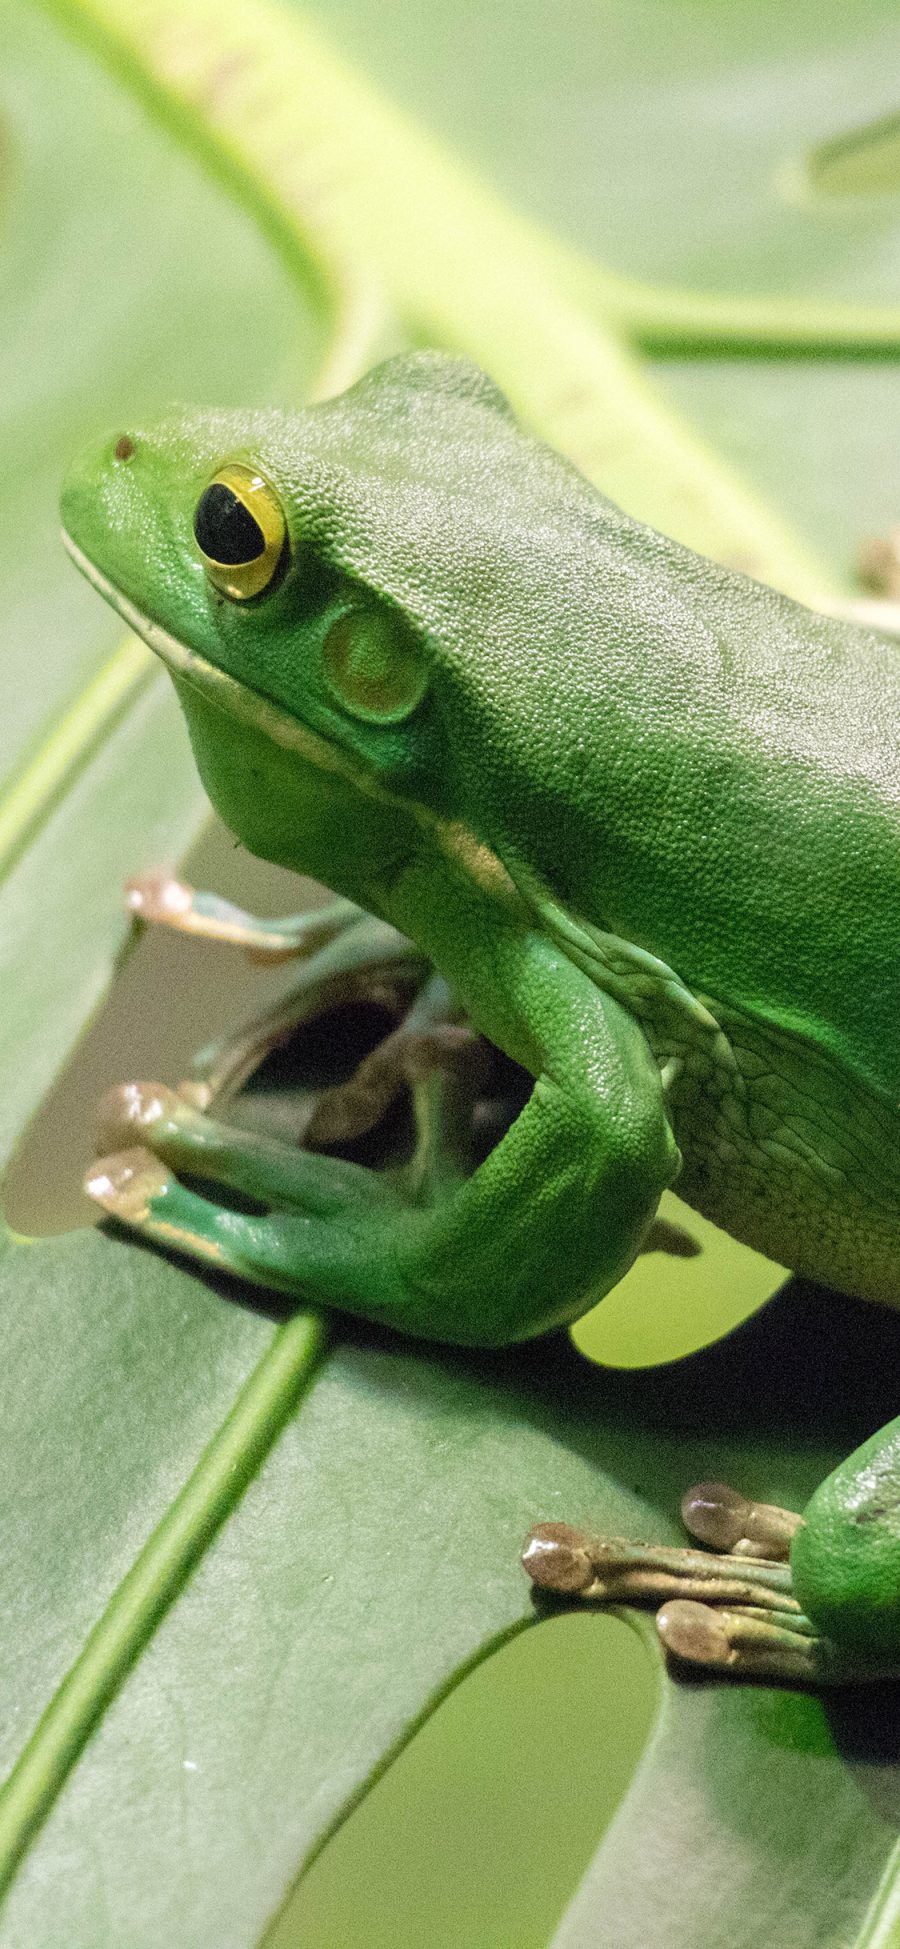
[(240, 530)]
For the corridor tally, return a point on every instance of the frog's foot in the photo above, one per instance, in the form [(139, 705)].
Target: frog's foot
[(126, 1184), (312, 1210), (303, 1237), (366, 963), (442, 1062), (402, 1060), (160, 900), (136, 1189), (317, 1214), (430, 1038), (725, 1520), (729, 1609)]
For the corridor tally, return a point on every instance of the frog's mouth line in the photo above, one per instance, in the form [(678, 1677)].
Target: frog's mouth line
[(238, 700)]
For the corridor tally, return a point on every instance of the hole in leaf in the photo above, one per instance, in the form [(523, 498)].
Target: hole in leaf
[(171, 997), (862, 161), (481, 1829), (667, 1307)]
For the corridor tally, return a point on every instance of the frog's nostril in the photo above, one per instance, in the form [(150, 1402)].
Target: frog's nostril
[(124, 447)]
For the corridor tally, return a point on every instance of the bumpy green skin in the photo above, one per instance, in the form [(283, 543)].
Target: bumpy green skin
[(644, 815), (845, 1562)]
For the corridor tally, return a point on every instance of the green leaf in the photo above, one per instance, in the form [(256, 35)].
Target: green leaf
[(241, 1569), (261, 96), (860, 162)]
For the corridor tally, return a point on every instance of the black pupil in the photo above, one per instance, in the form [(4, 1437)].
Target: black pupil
[(224, 529)]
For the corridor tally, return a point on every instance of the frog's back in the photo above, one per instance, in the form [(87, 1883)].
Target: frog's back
[(686, 757), (693, 763), (710, 771), (729, 801), (769, 871), (763, 865)]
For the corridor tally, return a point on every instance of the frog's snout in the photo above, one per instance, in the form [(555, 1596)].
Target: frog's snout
[(110, 508), (95, 497)]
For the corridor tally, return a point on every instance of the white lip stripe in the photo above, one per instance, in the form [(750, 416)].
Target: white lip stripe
[(233, 697)]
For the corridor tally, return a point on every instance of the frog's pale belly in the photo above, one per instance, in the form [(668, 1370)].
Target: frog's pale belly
[(792, 1154)]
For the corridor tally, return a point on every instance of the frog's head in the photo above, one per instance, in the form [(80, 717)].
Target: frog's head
[(356, 583)]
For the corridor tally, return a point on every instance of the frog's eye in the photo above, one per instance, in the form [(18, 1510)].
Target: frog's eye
[(240, 530), (374, 666)]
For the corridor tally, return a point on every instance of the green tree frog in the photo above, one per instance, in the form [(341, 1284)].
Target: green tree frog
[(642, 815)]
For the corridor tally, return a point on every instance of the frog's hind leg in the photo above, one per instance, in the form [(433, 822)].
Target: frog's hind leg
[(732, 1609)]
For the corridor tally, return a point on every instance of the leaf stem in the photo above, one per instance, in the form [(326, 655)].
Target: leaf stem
[(338, 283), (31, 796), (720, 325), (154, 1580), (358, 198)]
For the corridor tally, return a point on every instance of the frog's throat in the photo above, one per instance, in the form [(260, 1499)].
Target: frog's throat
[(244, 705)]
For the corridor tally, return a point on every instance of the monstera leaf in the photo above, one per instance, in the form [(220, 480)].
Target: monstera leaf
[(246, 1554)]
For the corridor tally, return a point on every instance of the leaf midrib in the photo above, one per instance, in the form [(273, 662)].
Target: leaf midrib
[(156, 1577), (270, 1393), (67, 747)]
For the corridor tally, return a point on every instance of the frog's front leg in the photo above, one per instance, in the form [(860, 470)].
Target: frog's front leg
[(809, 1599), (551, 1219), (160, 900)]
